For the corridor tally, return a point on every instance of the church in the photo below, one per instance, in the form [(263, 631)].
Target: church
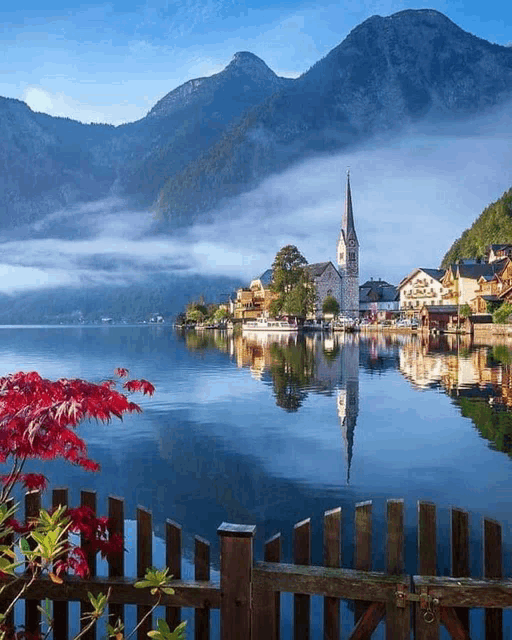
[(341, 283)]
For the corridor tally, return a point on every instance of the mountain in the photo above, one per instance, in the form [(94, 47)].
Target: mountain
[(48, 163), (493, 226), (216, 137), (415, 65)]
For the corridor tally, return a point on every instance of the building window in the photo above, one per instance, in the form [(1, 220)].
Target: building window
[(351, 255)]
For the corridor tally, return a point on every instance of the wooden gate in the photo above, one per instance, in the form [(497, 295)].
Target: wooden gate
[(248, 595)]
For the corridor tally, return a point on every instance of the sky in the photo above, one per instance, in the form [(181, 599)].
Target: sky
[(111, 62)]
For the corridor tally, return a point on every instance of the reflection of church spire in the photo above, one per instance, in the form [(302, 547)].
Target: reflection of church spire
[(348, 396)]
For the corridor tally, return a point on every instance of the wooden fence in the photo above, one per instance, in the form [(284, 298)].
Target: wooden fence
[(249, 593)]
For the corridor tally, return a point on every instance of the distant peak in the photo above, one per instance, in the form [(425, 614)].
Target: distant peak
[(246, 56), (246, 60)]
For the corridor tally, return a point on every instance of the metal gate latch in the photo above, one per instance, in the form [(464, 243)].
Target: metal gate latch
[(426, 601)]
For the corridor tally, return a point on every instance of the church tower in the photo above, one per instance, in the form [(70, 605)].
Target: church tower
[(348, 259)]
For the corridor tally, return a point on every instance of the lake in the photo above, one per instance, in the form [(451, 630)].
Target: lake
[(255, 431)]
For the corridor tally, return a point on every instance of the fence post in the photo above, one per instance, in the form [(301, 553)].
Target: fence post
[(236, 554)]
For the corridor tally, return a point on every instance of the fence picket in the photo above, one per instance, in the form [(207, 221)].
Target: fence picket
[(427, 566), (8, 540), (363, 548), (397, 619), (88, 499), (144, 561), (332, 558), (460, 555), (302, 556), (116, 563), (202, 572), (493, 568), (173, 563), (273, 554), (32, 615), (60, 612)]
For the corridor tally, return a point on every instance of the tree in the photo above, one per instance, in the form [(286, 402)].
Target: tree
[(502, 315), (195, 315), (295, 289), (465, 310), (221, 314), (38, 419), (287, 269), (330, 306)]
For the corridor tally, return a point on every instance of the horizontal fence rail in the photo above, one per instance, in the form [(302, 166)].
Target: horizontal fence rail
[(249, 594)]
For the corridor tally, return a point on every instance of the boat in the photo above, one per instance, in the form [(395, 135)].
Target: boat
[(270, 325), (346, 324)]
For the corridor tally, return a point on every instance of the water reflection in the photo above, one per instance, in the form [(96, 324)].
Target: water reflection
[(476, 376)]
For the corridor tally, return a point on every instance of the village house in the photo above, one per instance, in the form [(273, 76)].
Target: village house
[(498, 252), (421, 287), (254, 301), (493, 289), (461, 281), (378, 299)]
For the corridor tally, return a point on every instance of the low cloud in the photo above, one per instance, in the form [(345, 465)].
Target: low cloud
[(413, 196)]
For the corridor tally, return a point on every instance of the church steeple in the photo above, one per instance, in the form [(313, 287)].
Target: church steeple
[(348, 259), (347, 224)]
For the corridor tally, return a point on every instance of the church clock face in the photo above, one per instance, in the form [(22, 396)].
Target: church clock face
[(351, 243)]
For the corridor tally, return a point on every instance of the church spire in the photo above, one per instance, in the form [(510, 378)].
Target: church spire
[(348, 215)]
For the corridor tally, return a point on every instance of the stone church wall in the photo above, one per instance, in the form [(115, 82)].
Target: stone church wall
[(329, 280)]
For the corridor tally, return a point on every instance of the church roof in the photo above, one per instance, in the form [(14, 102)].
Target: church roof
[(316, 269)]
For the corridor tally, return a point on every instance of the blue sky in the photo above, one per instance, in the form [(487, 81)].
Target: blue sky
[(110, 62)]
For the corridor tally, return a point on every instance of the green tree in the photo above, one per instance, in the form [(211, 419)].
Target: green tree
[(195, 315), (287, 269), (221, 314), (330, 306), (501, 315), (465, 310), (292, 282)]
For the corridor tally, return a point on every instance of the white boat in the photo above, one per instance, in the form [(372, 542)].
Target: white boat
[(270, 325)]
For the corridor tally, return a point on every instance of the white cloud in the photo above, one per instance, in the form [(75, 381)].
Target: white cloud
[(58, 104)]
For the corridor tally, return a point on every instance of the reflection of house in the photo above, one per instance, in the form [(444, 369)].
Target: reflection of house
[(379, 299), (254, 300), (421, 287)]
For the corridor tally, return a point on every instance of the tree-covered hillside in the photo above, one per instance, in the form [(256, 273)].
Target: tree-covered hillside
[(493, 226)]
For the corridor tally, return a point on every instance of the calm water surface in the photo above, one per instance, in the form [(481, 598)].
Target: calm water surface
[(247, 430)]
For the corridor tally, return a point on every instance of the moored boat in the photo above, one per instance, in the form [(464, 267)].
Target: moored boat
[(270, 325)]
